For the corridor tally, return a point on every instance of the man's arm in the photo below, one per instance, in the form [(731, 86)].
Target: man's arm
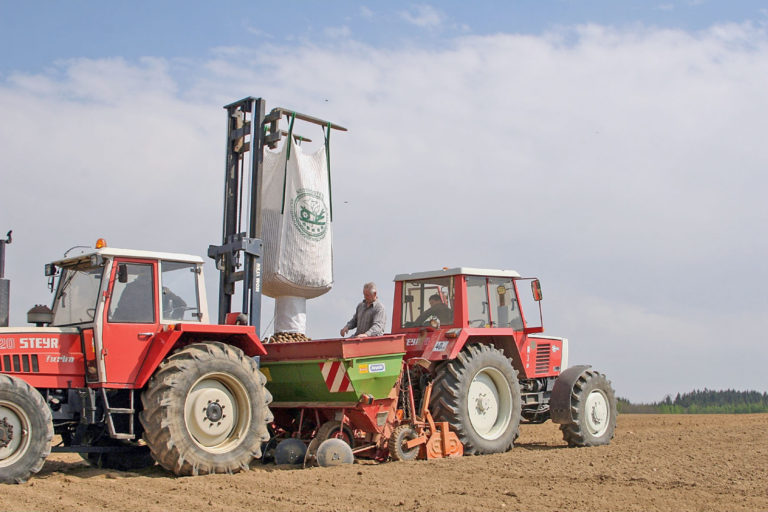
[(423, 317), (349, 325)]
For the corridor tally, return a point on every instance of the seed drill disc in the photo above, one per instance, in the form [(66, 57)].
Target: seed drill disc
[(334, 452), (290, 451)]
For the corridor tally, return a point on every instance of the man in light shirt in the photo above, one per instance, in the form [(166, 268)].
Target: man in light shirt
[(369, 317)]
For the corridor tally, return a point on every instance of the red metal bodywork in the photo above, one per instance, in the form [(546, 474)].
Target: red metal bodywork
[(334, 348), (45, 358), (48, 359), (241, 336)]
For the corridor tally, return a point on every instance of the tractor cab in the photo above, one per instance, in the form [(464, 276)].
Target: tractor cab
[(118, 300), (442, 311), (465, 298), (138, 287)]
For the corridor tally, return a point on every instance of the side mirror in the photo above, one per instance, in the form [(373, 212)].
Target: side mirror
[(122, 273), (50, 269), (536, 289)]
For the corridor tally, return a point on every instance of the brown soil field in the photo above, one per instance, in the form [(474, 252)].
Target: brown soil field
[(655, 463)]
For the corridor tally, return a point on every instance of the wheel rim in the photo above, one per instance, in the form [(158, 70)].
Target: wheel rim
[(596, 410), (489, 403), (217, 412), (407, 434), (16, 423)]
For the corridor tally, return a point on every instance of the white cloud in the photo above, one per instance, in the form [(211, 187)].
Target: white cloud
[(258, 32), (423, 15), (624, 168), (366, 12), (342, 32)]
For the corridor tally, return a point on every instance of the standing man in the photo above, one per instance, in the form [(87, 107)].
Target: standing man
[(370, 317)]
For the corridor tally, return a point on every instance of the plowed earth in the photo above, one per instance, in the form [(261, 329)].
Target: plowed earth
[(676, 463)]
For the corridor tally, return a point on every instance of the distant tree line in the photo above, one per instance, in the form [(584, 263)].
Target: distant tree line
[(704, 401)]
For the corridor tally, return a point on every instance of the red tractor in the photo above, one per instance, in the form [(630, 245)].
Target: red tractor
[(128, 370), (489, 364)]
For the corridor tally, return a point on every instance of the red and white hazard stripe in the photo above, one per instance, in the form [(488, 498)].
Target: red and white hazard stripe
[(335, 376)]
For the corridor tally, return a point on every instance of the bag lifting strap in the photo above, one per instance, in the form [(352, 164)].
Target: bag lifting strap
[(327, 137), (287, 157), (328, 165)]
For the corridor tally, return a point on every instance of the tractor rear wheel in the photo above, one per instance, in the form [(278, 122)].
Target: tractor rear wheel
[(205, 410), (478, 394), (26, 430), (593, 409)]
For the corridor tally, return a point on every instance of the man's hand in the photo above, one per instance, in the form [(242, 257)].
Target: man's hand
[(344, 331), (363, 335)]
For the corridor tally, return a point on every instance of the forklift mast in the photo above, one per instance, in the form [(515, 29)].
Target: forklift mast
[(244, 167), (238, 258)]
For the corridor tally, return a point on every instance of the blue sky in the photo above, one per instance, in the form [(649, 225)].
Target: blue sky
[(613, 149), (36, 33)]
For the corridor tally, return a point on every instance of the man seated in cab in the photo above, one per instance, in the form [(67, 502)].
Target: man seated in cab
[(438, 309)]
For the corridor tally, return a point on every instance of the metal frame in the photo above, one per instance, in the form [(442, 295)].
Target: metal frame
[(5, 284)]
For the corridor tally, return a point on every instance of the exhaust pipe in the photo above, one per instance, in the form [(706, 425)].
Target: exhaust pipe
[(5, 284)]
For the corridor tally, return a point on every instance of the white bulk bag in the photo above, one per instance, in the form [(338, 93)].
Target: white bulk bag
[(296, 222), (291, 314)]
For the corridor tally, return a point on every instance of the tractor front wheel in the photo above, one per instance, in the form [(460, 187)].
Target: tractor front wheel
[(478, 394), (26, 430), (205, 410), (593, 411)]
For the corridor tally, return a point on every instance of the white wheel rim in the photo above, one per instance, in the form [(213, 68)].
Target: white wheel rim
[(597, 413), (489, 403), (18, 420), (217, 412)]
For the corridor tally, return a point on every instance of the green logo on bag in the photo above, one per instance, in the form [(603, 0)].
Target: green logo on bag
[(309, 214)]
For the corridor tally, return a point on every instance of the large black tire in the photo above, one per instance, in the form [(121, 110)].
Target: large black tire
[(478, 394), (205, 410), (593, 410), (396, 443), (26, 430)]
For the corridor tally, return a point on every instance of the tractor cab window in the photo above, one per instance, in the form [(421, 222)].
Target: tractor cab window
[(428, 301), (77, 295), (505, 311), (178, 284), (132, 298), (477, 302)]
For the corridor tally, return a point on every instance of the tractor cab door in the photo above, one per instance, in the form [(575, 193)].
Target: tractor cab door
[(492, 302), (130, 320)]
